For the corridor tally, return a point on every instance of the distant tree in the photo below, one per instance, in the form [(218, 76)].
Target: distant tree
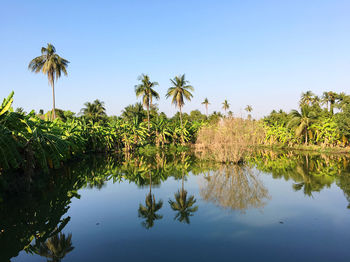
[(225, 106), (206, 104), (249, 109), (180, 91), (94, 111), (20, 110), (52, 65), (306, 98), (145, 89), (135, 111), (196, 115)]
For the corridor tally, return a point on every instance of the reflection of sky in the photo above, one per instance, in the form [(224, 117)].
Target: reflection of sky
[(313, 227)]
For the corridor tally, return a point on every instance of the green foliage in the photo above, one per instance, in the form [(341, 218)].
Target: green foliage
[(312, 125)]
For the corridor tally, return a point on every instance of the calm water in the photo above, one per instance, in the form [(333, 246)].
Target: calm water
[(280, 207)]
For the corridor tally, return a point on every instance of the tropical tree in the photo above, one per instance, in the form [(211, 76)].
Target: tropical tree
[(94, 111), (249, 109), (329, 98), (225, 106), (302, 121), (206, 104), (306, 98), (135, 111), (56, 247), (52, 65), (145, 89), (179, 92)]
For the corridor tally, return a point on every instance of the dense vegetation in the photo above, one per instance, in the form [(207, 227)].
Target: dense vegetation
[(30, 141), (322, 121)]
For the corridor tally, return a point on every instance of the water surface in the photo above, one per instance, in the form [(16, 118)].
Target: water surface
[(279, 207)]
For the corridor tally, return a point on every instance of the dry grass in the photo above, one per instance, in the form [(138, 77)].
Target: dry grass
[(230, 140)]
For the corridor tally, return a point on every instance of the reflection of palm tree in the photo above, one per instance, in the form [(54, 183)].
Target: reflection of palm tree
[(149, 211), (56, 247), (183, 205)]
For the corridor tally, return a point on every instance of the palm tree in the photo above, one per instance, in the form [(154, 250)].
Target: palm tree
[(180, 91), (56, 247), (149, 211), (225, 106), (95, 111), (302, 121), (135, 111), (329, 98), (206, 103), (249, 109), (145, 89), (183, 205), (332, 96), (306, 98), (52, 65)]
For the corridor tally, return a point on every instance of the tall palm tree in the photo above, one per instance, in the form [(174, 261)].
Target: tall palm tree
[(52, 65), (302, 121), (225, 106), (180, 91), (56, 247), (306, 98), (145, 89), (206, 104), (249, 109), (149, 211)]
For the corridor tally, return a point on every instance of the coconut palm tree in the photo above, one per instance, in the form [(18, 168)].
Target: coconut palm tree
[(56, 247), (94, 111), (302, 121), (306, 98), (225, 106), (179, 92), (149, 211), (206, 104), (135, 111), (145, 89), (249, 109), (52, 65), (329, 98)]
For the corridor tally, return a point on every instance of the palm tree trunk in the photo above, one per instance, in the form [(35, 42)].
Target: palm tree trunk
[(53, 97), (306, 137), (181, 116), (206, 108), (148, 117)]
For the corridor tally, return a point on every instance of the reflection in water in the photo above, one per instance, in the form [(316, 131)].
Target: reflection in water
[(183, 205), (234, 187), (310, 172), (33, 210), (55, 248), (149, 211)]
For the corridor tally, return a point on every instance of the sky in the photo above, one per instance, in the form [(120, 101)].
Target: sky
[(264, 53)]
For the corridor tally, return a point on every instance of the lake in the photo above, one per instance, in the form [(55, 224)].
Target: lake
[(280, 206)]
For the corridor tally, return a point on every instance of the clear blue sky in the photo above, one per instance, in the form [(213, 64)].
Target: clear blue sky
[(263, 53)]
